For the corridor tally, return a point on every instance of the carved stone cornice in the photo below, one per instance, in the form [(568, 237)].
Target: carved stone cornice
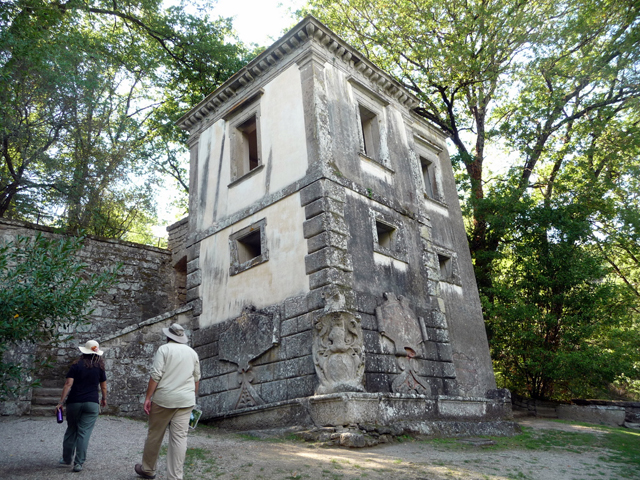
[(308, 30)]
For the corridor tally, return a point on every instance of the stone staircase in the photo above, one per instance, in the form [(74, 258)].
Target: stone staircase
[(44, 399)]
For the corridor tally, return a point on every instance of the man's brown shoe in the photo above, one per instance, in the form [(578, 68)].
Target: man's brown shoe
[(141, 473)]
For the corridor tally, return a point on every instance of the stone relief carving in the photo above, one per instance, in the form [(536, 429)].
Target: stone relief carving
[(249, 336), (401, 334), (338, 353)]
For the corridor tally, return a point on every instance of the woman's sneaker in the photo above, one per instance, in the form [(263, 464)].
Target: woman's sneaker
[(62, 462), (77, 467)]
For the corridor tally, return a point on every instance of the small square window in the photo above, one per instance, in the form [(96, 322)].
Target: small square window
[(248, 247), (386, 235), (370, 133)]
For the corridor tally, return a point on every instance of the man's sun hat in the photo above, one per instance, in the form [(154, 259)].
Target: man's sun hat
[(91, 347), (176, 333)]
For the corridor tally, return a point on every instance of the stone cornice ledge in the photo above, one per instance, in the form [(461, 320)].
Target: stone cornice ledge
[(308, 29)]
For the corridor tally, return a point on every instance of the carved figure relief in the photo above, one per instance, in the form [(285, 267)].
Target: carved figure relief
[(338, 353), (401, 332), (249, 336)]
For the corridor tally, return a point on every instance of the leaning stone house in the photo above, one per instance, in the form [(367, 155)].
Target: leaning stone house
[(327, 273), (327, 262)]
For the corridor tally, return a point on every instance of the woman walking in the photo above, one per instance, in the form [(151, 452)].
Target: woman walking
[(83, 378)]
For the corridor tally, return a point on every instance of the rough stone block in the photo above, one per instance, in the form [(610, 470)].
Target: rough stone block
[(311, 193), (204, 336), (196, 305), (444, 352), (192, 294), (295, 367), (289, 327), (324, 222), (264, 373), (212, 367), (206, 386), (207, 351), (371, 341), (272, 392), (297, 345), (272, 355), (327, 239), (295, 306), (193, 265), (194, 279), (366, 303), (368, 322), (377, 382), (322, 205), (430, 350), (305, 322), (301, 387), (315, 300), (330, 276), (448, 370)]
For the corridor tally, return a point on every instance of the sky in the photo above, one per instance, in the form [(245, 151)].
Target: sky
[(259, 21)]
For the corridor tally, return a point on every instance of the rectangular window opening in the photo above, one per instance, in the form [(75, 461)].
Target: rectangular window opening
[(385, 235), (370, 132), (249, 247), (446, 267), (429, 177), (249, 131)]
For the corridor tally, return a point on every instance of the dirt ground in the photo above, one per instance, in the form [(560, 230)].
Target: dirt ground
[(30, 449)]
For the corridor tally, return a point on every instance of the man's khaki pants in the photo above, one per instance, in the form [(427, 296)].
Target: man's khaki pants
[(178, 421)]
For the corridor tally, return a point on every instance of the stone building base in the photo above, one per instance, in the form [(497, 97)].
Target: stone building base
[(442, 416)]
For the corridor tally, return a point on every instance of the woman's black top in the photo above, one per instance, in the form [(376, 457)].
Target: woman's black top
[(85, 382)]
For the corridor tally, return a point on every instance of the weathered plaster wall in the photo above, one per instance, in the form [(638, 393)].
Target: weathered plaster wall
[(269, 283), (283, 154)]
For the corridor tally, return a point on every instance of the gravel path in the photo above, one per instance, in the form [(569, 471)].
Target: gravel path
[(30, 449)]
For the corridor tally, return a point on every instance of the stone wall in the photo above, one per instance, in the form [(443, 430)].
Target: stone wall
[(145, 288), (128, 357)]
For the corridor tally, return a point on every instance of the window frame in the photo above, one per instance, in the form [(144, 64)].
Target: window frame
[(395, 248), (237, 265), (452, 269), (428, 159), (240, 155)]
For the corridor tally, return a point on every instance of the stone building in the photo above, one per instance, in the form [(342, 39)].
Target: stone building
[(326, 259)]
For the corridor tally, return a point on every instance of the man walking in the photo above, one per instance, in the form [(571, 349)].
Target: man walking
[(175, 377)]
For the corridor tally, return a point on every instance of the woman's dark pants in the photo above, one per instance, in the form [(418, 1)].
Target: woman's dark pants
[(81, 417)]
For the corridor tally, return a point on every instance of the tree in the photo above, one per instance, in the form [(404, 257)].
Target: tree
[(44, 290), (555, 85), (89, 95)]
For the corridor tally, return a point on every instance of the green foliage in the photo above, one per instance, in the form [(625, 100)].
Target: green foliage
[(89, 96), (44, 291), (558, 327), (553, 87)]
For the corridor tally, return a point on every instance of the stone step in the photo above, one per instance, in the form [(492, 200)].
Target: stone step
[(43, 411), (51, 400), (47, 392)]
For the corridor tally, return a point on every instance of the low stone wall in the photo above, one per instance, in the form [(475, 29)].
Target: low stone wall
[(605, 412), (128, 357), (613, 416), (145, 288)]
